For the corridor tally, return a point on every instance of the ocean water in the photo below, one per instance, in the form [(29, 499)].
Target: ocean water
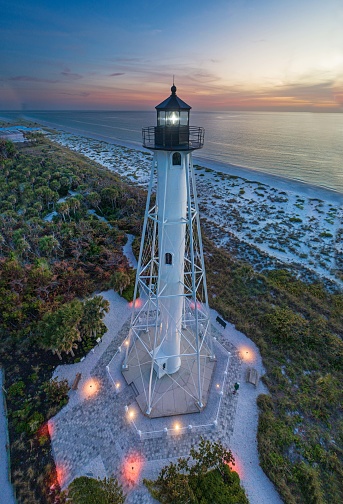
[(301, 146)]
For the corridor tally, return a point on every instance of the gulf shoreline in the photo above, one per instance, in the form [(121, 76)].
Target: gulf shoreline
[(277, 181), (270, 218)]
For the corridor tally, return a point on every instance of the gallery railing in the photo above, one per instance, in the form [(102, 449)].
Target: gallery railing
[(173, 137)]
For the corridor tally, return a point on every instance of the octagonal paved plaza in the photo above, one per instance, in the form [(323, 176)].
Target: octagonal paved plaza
[(101, 432)]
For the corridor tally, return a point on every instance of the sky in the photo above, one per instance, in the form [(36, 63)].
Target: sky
[(122, 54)]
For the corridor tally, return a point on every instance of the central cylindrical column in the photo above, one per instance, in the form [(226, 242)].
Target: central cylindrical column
[(172, 213)]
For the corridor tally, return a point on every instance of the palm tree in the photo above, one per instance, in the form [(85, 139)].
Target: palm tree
[(94, 310), (67, 343), (74, 204), (58, 331), (119, 281), (47, 244), (63, 209), (94, 199), (110, 194)]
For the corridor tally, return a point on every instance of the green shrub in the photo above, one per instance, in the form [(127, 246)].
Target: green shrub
[(86, 490), (16, 389)]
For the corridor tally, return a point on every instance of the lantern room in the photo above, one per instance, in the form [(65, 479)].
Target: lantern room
[(173, 131), (173, 111)]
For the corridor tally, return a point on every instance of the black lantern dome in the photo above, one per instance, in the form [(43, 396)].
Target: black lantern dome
[(173, 111), (173, 131)]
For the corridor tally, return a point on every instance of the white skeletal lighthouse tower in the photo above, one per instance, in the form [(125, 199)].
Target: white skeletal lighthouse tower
[(168, 358)]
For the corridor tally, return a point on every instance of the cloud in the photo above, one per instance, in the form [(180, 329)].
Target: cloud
[(307, 89), (338, 98), (126, 60), (71, 76), (116, 74), (203, 76), (80, 93), (28, 78)]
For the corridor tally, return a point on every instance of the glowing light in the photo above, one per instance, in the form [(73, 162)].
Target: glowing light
[(131, 414), (137, 304), (247, 354), (43, 432), (177, 427), (90, 388), (117, 385), (174, 118), (218, 386), (192, 305), (51, 428), (237, 467), (133, 465), (61, 474)]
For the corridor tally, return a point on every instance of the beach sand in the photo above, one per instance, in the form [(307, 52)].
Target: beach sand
[(264, 219)]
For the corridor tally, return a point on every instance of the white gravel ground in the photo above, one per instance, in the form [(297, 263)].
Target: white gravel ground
[(243, 442)]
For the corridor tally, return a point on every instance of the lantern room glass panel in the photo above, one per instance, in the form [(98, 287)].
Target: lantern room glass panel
[(184, 118), (161, 118)]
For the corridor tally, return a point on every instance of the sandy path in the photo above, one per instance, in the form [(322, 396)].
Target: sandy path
[(243, 442)]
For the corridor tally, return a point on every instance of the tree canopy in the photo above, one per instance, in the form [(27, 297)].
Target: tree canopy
[(86, 490), (204, 477)]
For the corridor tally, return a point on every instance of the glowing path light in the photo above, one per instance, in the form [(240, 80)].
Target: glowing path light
[(90, 388), (137, 304), (238, 467), (177, 427), (61, 474), (132, 468), (247, 354)]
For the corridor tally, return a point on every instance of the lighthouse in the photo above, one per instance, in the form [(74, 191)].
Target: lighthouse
[(168, 352)]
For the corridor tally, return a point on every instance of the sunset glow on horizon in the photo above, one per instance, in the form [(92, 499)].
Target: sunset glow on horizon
[(225, 55)]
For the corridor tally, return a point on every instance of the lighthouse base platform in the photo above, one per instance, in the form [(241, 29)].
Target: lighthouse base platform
[(174, 394)]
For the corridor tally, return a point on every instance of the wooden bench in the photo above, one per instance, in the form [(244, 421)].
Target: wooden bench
[(76, 381), (252, 376), (221, 322)]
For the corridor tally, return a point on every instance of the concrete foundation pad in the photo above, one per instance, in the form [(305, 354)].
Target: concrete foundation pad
[(175, 394)]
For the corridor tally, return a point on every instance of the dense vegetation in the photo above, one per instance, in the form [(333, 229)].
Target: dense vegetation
[(48, 266), (298, 328), (54, 254), (203, 478)]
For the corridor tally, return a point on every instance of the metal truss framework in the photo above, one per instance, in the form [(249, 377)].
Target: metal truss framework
[(144, 336)]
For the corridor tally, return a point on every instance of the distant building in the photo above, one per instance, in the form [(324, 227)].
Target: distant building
[(16, 133)]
